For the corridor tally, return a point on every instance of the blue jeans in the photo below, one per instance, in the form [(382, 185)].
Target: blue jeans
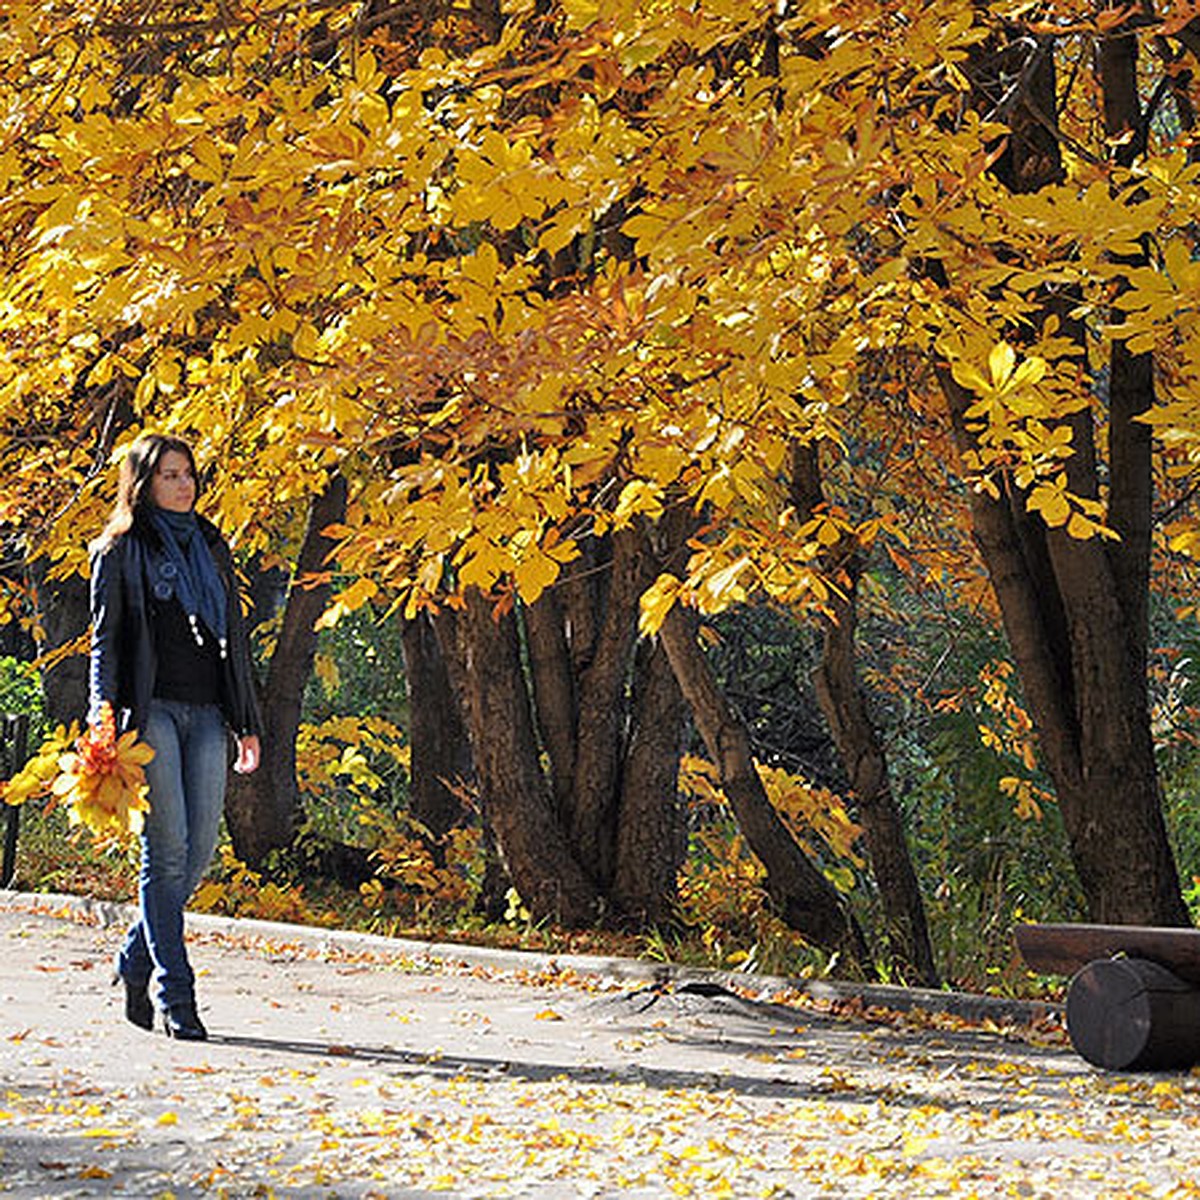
[(187, 779)]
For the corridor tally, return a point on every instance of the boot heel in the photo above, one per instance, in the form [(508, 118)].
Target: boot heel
[(184, 1024), (138, 1008)]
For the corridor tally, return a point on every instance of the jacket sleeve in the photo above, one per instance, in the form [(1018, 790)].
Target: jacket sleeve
[(107, 601), (245, 715)]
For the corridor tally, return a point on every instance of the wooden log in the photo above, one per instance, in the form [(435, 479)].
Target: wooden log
[(1128, 1014), (1065, 949)]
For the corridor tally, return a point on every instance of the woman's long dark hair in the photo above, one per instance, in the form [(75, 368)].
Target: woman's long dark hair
[(133, 484)]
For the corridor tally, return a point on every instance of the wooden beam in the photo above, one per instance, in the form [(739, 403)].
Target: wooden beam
[(1066, 949)]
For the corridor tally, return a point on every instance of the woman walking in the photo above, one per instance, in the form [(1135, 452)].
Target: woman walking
[(170, 654)]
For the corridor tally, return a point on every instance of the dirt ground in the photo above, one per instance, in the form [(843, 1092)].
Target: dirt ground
[(343, 1066)]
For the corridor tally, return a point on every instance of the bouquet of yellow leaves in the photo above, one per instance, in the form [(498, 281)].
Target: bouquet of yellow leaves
[(103, 781)]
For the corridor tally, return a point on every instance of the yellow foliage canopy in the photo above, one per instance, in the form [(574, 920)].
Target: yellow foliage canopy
[(525, 283)]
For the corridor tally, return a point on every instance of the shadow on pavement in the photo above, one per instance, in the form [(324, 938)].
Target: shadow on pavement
[(831, 1085)]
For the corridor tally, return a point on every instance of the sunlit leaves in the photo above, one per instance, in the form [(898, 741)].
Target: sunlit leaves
[(1004, 382), (37, 775), (285, 223), (102, 781), (533, 283)]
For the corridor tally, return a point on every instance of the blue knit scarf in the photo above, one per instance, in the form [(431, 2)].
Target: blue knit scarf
[(197, 582)]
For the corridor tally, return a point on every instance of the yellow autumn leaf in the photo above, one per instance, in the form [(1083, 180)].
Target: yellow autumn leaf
[(305, 341), (724, 586), (209, 166), (360, 592), (656, 602), (102, 780), (581, 13), (535, 572), (1051, 502), (132, 751), (638, 497), (1001, 360), (1003, 377)]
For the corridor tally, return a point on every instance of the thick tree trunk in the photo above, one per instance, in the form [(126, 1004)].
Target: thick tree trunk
[(1085, 683), (517, 798), (1083, 670), (1076, 611), (601, 715), (610, 726), (437, 737), (554, 687), (263, 809), (651, 829), (492, 901), (803, 897), (576, 741)]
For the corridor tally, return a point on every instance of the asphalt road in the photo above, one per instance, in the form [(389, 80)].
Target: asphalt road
[(347, 1066)]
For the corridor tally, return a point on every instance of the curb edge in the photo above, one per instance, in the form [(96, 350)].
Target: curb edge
[(967, 1006)]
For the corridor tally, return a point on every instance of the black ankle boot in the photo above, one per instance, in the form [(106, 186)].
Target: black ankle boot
[(138, 1008), (183, 1022)]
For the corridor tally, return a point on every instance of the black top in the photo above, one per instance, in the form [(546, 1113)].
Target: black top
[(187, 670)]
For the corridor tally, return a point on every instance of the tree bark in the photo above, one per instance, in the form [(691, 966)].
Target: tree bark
[(602, 714), (554, 690), (844, 705), (576, 742), (1085, 682), (437, 736), (62, 613), (517, 798), (263, 809), (610, 727), (651, 829), (803, 897)]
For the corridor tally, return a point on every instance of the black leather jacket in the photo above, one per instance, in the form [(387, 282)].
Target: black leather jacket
[(123, 662)]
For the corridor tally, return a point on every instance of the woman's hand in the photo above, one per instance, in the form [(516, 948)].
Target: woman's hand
[(249, 754)]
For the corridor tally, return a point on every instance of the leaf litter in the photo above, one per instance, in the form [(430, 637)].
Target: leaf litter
[(457, 1081)]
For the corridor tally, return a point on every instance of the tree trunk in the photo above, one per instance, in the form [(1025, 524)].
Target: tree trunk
[(263, 809), (492, 900), (62, 613), (853, 731), (845, 709), (576, 742), (1076, 611), (516, 795), (16, 637), (1085, 684), (601, 715), (651, 828), (803, 897), (441, 751), (554, 686)]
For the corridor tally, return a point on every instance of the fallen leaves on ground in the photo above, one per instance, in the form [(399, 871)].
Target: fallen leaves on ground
[(473, 1136), (806, 1098)]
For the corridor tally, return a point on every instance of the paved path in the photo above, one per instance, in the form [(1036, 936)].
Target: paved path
[(342, 1066)]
